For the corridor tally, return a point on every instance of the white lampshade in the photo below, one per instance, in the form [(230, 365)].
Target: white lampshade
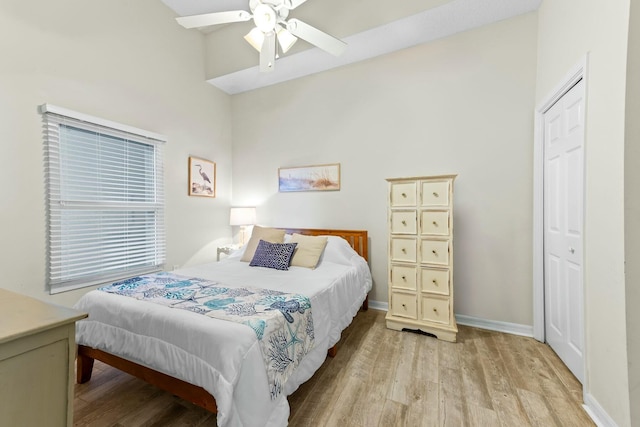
[(285, 38), (255, 37), (242, 216)]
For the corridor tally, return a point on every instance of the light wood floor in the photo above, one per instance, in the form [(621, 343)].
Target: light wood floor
[(382, 378)]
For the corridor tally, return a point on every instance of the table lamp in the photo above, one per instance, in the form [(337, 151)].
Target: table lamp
[(242, 217)]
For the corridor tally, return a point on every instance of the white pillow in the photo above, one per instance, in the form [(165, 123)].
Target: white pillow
[(308, 251), (271, 235), (338, 250)]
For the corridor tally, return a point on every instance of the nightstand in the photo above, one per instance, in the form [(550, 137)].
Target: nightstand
[(227, 250)]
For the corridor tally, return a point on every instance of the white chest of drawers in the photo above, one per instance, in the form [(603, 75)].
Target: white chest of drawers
[(37, 350), (420, 223)]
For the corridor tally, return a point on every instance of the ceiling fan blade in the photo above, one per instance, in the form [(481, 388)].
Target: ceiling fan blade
[(268, 52), (316, 37), (215, 18), (292, 4)]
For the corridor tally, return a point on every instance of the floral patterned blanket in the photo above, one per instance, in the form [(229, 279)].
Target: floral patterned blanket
[(281, 321)]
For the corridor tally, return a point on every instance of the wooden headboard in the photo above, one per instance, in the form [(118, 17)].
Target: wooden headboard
[(357, 239)]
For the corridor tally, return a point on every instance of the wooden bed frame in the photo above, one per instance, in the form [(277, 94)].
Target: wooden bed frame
[(357, 239)]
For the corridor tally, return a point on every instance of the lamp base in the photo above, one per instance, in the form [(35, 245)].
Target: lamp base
[(243, 229)]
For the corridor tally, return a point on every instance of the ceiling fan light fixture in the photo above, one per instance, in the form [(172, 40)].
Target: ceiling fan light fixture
[(255, 38), (285, 39), (265, 18), (271, 24)]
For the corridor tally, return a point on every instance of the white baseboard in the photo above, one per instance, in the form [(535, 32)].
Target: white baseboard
[(379, 305), (595, 411), (492, 325)]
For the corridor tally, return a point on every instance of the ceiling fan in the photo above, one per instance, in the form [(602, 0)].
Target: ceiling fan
[(270, 18)]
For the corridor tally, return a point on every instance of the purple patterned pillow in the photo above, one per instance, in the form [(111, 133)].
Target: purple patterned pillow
[(273, 255)]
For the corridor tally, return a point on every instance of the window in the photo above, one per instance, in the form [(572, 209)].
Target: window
[(105, 200)]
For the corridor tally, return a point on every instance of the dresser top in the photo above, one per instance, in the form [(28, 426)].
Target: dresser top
[(21, 315), (430, 177)]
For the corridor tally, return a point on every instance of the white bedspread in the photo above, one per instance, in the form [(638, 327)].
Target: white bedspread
[(224, 357)]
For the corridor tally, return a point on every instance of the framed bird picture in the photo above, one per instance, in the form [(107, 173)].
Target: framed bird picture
[(202, 177)]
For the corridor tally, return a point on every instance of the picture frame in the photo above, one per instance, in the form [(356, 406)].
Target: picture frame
[(202, 177), (309, 178)]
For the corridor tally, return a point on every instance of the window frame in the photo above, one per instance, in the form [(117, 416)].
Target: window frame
[(151, 209)]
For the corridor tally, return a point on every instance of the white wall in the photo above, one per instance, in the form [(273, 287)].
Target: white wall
[(125, 61), (568, 30), (632, 212), (458, 105)]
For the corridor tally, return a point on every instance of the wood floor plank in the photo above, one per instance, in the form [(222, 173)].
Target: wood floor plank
[(536, 409), (452, 399), (393, 414), (426, 364), (193, 416), (424, 410), (342, 411), (367, 408), (152, 412), (473, 376), (561, 372), (509, 409), (423, 389), (568, 413), (404, 372), (117, 404), (448, 355), (381, 377), (519, 362), (326, 384), (495, 370), (480, 416)]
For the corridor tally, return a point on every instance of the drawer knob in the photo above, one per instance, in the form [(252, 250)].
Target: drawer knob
[(435, 194), (435, 310), (404, 222), (404, 278), (404, 251), (435, 282), (404, 195), (434, 252), (404, 306), (435, 223)]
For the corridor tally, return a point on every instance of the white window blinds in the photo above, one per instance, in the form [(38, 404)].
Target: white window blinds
[(105, 200)]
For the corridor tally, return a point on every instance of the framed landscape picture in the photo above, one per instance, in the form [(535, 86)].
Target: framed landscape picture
[(309, 178), (202, 177)]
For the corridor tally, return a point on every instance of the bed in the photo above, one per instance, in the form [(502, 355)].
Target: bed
[(217, 364)]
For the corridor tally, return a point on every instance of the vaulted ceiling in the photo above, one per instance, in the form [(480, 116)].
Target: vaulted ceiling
[(370, 28)]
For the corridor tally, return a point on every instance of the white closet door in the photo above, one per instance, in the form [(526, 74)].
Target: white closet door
[(563, 225)]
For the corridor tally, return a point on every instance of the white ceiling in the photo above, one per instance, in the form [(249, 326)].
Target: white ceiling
[(368, 28)]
